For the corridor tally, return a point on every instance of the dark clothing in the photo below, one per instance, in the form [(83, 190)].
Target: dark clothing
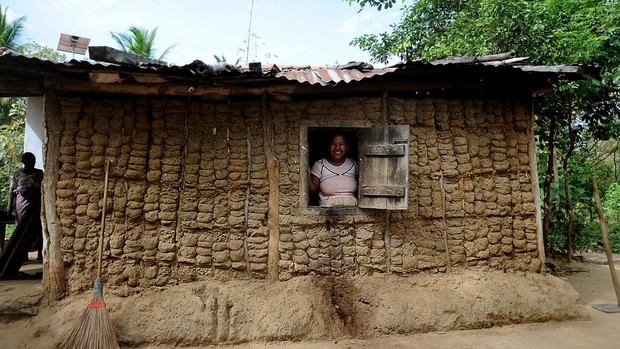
[(28, 234), (27, 212), (26, 186)]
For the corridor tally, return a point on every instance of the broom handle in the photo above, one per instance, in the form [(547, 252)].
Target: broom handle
[(610, 259), (105, 200)]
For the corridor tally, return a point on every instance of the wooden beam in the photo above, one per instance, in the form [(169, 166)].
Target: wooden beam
[(557, 69), (170, 89), (474, 60), (273, 88), (508, 62), (111, 55), (21, 88), (385, 190), (114, 78), (385, 150), (496, 57)]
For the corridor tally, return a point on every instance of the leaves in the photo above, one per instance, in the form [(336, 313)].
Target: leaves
[(139, 41), (550, 32), (10, 31), (35, 50), (379, 4), (11, 144)]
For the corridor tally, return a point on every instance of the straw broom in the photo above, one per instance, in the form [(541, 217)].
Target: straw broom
[(94, 330)]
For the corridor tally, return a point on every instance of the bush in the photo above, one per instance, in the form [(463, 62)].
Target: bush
[(13, 119)]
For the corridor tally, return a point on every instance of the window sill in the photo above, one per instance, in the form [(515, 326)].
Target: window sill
[(331, 211)]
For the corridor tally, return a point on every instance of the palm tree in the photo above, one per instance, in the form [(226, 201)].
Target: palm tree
[(10, 31), (139, 41), (222, 59)]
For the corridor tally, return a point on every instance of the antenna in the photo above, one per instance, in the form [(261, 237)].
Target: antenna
[(247, 49), (73, 44)]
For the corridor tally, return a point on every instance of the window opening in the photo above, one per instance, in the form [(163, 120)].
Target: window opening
[(318, 148)]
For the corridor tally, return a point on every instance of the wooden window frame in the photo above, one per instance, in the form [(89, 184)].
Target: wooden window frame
[(304, 154)]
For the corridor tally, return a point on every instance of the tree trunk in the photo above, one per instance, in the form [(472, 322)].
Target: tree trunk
[(569, 205), (556, 180), (615, 166), (547, 183)]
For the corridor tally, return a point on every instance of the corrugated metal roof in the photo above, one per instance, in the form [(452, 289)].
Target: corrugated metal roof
[(323, 76), (304, 74)]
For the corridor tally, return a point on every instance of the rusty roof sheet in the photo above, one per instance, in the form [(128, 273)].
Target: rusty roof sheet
[(323, 76)]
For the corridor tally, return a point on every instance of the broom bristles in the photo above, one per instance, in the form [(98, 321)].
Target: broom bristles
[(94, 330)]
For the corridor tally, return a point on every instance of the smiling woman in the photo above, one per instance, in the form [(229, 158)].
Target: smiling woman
[(335, 176)]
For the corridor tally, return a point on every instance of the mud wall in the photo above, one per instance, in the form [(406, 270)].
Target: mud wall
[(189, 193)]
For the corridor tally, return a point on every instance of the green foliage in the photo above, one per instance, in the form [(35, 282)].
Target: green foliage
[(35, 50), (11, 145), (580, 191), (140, 41), (10, 31), (584, 165), (611, 210), (12, 123), (222, 59), (379, 4), (550, 32), (10, 228)]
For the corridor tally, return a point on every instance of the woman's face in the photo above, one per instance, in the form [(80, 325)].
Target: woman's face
[(338, 149)]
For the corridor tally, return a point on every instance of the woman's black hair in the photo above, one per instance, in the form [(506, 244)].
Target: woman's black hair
[(28, 157), (334, 134)]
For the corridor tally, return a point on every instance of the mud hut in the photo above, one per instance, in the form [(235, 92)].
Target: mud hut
[(209, 175)]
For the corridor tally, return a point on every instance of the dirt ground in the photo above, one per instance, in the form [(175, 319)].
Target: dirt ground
[(467, 309)]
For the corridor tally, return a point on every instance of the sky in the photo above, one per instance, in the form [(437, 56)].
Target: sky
[(283, 32)]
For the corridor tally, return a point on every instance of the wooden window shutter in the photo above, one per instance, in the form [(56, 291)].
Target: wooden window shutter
[(384, 167)]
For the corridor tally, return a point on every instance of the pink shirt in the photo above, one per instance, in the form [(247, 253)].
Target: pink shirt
[(335, 180)]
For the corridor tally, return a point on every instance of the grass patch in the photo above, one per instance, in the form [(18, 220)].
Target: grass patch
[(10, 228)]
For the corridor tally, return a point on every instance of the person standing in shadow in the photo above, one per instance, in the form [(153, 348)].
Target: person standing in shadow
[(25, 199)]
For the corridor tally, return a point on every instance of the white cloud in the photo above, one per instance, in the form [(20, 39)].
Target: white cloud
[(90, 3), (352, 25), (12, 15)]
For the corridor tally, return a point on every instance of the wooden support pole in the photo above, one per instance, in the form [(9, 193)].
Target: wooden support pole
[(440, 177), (54, 279), (246, 204), (387, 238), (273, 254)]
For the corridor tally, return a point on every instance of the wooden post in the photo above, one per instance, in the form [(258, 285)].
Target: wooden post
[(2, 236), (610, 260), (273, 254), (387, 238), (443, 222), (246, 204), (55, 279)]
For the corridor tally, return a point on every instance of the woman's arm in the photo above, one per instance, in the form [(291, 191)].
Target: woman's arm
[(313, 182)]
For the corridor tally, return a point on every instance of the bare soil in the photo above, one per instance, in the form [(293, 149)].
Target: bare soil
[(466, 309)]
